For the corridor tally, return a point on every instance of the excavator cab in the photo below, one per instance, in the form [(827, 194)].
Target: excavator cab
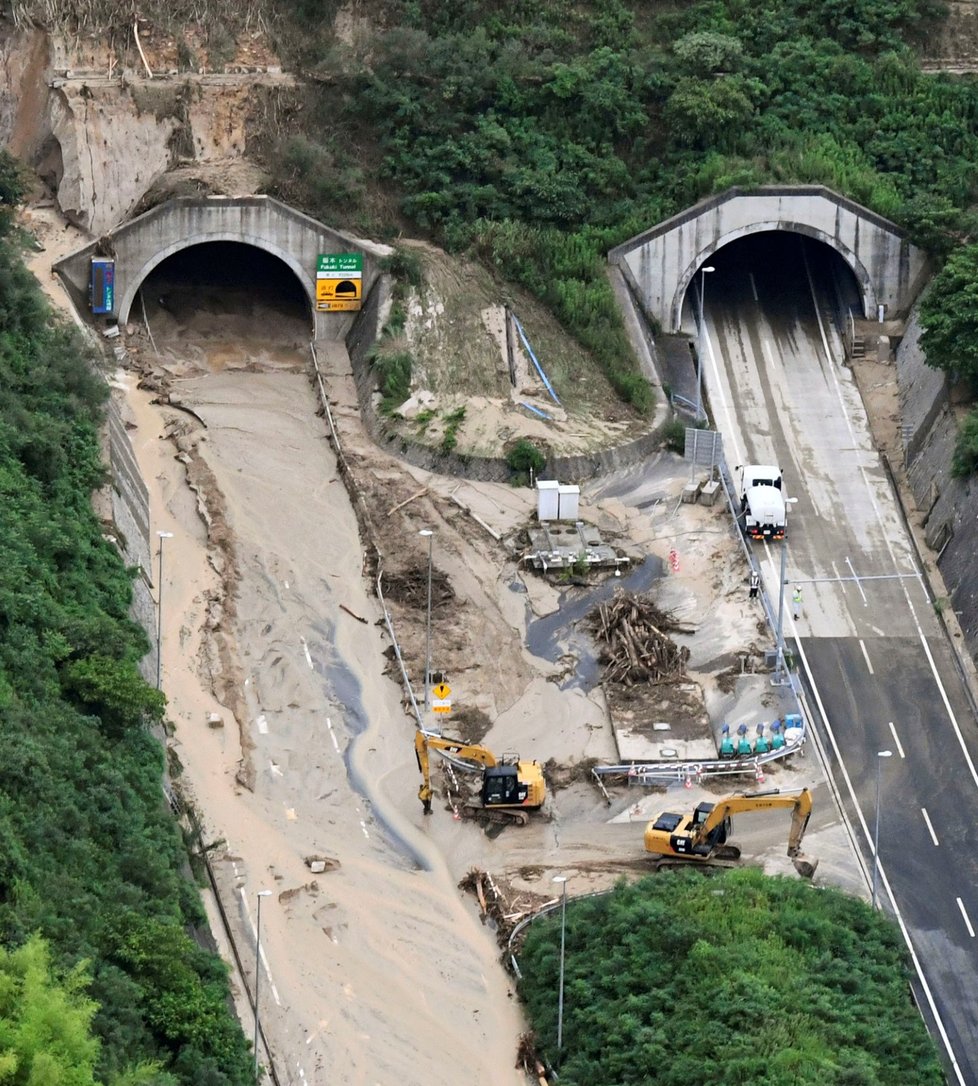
[(502, 787)]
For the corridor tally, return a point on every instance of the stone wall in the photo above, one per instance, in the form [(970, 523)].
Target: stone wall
[(949, 505)]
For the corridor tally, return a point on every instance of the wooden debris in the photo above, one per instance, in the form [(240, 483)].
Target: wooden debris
[(407, 501), (635, 643), (353, 614)]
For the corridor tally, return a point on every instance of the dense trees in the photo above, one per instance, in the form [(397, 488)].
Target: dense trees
[(562, 124), (90, 857), (686, 977)]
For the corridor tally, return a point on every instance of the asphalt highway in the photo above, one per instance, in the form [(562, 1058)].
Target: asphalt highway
[(879, 673)]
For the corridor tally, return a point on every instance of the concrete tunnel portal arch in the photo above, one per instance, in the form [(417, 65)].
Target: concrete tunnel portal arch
[(285, 261), (139, 247), (661, 264), (860, 274)]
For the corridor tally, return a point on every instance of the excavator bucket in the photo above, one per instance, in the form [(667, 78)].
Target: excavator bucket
[(805, 865)]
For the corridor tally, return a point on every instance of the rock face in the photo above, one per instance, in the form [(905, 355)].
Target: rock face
[(101, 137)]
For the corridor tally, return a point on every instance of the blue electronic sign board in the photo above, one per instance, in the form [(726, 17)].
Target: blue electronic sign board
[(101, 286)]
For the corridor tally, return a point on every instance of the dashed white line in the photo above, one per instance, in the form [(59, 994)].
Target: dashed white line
[(964, 913), (305, 649), (332, 735), (896, 740), (264, 959), (930, 827), (363, 826), (869, 662)]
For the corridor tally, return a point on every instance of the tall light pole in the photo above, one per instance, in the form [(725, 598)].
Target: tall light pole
[(159, 613), (261, 894), (700, 359), (427, 533), (562, 880), (880, 755)]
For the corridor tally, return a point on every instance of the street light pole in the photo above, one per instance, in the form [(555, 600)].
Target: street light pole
[(428, 534), (880, 755), (699, 367), (261, 894), (779, 667), (159, 613), (562, 880)]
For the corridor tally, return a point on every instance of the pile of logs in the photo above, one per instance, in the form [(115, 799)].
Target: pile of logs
[(635, 645)]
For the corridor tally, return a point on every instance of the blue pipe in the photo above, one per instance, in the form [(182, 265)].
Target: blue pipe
[(529, 351)]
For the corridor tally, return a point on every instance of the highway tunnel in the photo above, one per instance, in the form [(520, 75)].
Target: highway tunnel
[(775, 273), (225, 288)]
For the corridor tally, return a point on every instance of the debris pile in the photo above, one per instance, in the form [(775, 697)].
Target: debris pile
[(635, 643), (410, 587)]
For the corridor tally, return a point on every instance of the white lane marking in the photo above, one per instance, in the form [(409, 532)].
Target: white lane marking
[(753, 285), (896, 739), (262, 724), (729, 429), (855, 577), (841, 582), (305, 649), (964, 913), (332, 735), (930, 827), (254, 934), (866, 656), (924, 986), (363, 826)]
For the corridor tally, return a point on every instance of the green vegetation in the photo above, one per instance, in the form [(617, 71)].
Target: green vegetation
[(525, 461), (453, 421), (91, 859), (538, 136), (688, 977)]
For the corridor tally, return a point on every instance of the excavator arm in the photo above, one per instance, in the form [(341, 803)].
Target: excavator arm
[(454, 750)]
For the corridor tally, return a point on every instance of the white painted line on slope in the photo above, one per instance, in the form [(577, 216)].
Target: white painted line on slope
[(869, 663), (305, 649), (930, 827), (964, 913), (332, 735), (896, 739), (855, 577), (363, 826)]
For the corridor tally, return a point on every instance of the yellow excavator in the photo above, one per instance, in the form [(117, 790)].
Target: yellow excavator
[(703, 834), (510, 788)]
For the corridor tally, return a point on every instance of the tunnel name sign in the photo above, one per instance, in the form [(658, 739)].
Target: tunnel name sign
[(339, 282)]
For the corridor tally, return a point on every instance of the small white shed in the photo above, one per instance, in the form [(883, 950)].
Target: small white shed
[(568, 499), (548, 499)]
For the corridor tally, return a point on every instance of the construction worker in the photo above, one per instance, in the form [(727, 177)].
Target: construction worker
[(796, 601), (755, 584)]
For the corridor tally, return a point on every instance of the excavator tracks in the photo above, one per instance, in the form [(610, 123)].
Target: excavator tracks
[(501, 815)]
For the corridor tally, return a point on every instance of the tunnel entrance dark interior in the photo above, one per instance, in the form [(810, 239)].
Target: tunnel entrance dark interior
[(225, 287), (777, 270)]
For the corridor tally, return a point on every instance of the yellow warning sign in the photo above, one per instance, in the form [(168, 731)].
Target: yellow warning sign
[(334, 295), (442, 691)]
